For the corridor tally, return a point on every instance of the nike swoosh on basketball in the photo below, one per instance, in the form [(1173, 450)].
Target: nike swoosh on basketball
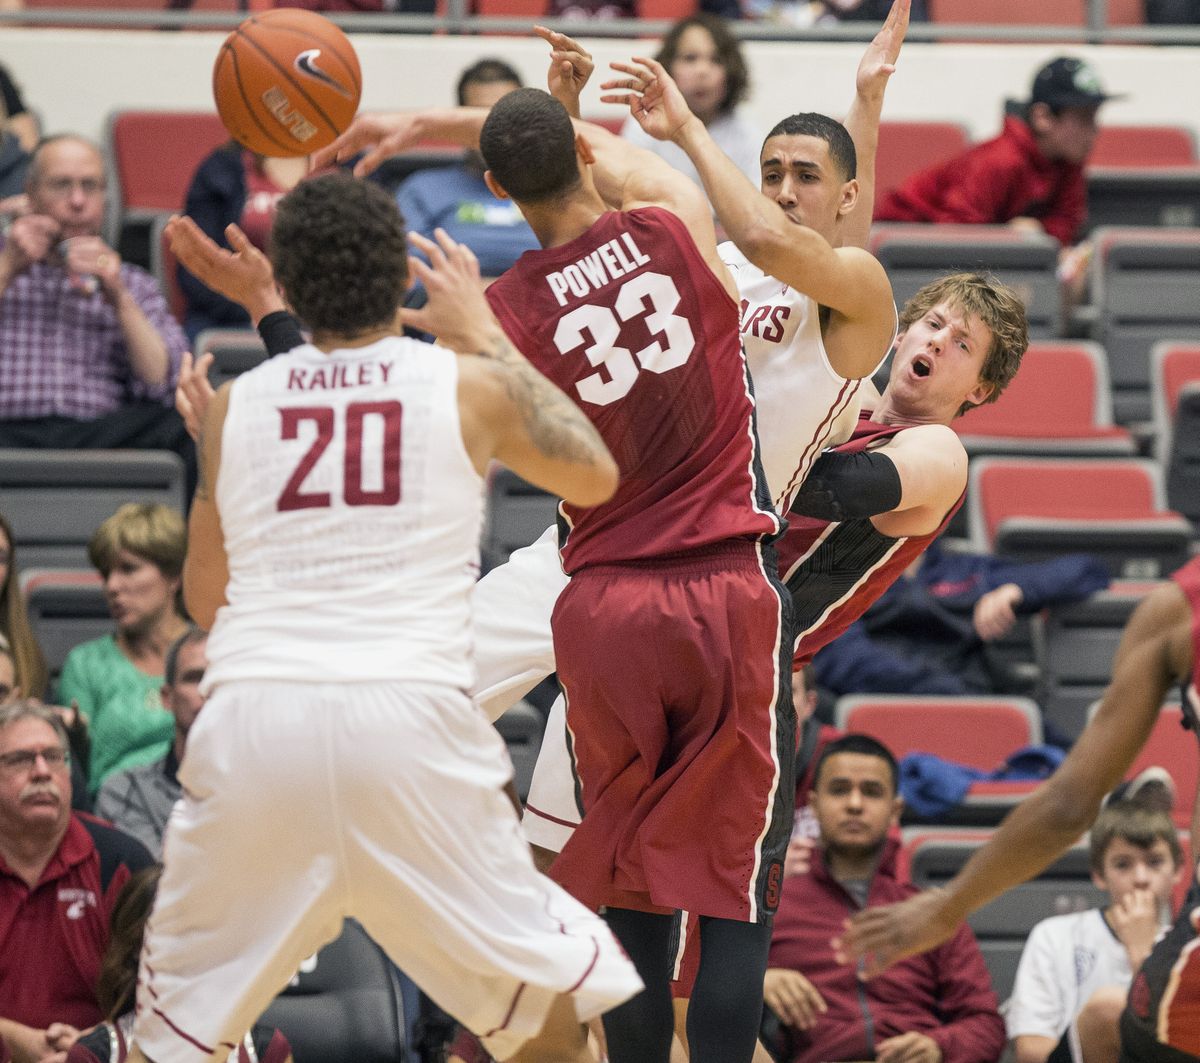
[(306, 63)]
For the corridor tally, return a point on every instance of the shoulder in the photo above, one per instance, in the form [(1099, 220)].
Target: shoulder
[(115, 846), (94, 652)]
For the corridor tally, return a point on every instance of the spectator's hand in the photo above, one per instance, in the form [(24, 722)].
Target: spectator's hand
[(380, 135), (908, 1048), (1134, 920), (879, 60), (30, 239), (62, 1035), (457, 311), (243, 274), (1026, 225), (193, 393), (27, 1044), (875, 938), (88, 256), (792, 997), (798, 859), (15, 206), (652, 96), (996, 611), (570, 68)]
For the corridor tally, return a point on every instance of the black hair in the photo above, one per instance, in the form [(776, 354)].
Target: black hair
[(171, 665), (528, 142), (812, 124), (864, 745), (339, 254), (486, 72), (729, 55)]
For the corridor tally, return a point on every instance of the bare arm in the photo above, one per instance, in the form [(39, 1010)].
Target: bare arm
[(1033, 1047), (206, 567), (932, 465), (1154, 653), (877, 66)]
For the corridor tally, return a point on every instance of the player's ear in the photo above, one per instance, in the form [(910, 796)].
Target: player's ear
[(494, 185), (849, 197), (980, 393), (584, 150)]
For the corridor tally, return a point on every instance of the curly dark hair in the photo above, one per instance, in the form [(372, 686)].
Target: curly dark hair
[(340, 255), (528, 142), (830, 130), (729, 54)]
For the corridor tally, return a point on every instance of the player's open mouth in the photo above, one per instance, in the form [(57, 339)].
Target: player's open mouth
[(922, 367)]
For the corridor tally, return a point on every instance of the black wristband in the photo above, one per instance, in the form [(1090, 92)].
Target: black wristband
[(849, 487), (280, 332)]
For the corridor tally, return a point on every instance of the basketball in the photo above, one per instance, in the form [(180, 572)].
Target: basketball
[(286, 82)]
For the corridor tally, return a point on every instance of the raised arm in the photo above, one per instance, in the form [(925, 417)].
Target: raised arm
[(875, 68), (1155, 652), (206, 567)]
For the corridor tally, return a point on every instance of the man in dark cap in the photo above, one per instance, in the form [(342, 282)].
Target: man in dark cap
[(1030, 176)]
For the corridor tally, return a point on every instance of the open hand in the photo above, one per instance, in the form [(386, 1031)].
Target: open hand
[(879, 60), (242, 274), (194, 392), (570, 68), (793, 997), (379, 135), (457, 312), (652, 96)]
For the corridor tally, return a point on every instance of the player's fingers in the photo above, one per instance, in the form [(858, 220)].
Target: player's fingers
[(650, 67), (238, 240), (373, 159), (626, 101), (201, 370), (433, 251), (421, 271)]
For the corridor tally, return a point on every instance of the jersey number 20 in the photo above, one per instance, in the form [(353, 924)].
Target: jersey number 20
[(325, 417), (605, 328)]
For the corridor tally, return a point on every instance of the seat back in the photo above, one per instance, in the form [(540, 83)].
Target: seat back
[(55, 499), (1173, 365), (1183, 461), (914, 255), (66, 607), (979, 732), (521, 727), (906, 148), (1010, 12), (1123, 146), (155, 154), (234, 351), (517, 514), (343, 1006), (1146, 285)]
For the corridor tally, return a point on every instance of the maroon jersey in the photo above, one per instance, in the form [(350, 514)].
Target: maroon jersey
[(630, 321), (837, 569), (1188, 579)]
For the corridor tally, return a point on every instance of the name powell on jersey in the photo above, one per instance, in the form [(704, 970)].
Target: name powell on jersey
[(77, 901)]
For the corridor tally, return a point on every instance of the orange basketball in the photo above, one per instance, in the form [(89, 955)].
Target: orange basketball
[(286, 82)]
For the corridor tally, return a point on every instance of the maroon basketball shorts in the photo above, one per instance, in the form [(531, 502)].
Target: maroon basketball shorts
[(682, 732)]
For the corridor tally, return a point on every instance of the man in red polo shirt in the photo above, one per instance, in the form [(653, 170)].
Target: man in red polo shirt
[(59, 875)]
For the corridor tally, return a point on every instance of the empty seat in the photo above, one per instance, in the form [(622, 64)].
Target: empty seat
[(1058, 403), (66, 607), (1171, 747), (521, 727), (344, 1005), (1146, 282), (1158, 195), (1010, 12), (1141, 146), (906, 148), (517, 514), (233, 350), (1075, 646), (1028, 262), (155, 154), (1183, 461), (55, 499), (1173, 365), (1034, 508)]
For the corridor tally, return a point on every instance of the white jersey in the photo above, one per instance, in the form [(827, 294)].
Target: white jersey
[(351, 514), (803, 405)]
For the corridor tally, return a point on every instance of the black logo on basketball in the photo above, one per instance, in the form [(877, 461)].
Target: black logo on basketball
[(306, 63)]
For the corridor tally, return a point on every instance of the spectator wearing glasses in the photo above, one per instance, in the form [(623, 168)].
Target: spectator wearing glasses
[(59, 875), (91, 352)]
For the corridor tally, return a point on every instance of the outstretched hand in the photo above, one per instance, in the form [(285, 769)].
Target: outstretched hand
[(194, 392), (242, 274), (875, 938), (652, 96), (570, 68), (380, 136), (878, 62), (457, 311)]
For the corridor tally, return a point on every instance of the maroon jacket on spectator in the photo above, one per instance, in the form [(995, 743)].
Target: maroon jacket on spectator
[(945, 994), (52, 937), (992, 183)]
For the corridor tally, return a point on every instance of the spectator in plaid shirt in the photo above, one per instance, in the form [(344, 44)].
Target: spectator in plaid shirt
[(89, 352)]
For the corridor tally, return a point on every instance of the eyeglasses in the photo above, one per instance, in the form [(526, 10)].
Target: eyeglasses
[(63, 186), (23, 760)]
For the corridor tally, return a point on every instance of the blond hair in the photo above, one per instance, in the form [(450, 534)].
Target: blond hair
[(149, 530)]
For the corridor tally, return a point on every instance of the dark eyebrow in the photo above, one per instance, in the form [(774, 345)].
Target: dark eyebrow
[(802, 164)]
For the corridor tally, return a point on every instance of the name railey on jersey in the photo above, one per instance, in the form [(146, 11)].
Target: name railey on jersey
[(338, 375), (607, 263)]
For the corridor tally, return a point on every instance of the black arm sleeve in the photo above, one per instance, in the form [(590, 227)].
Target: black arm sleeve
[(849, 487), (280, 332)]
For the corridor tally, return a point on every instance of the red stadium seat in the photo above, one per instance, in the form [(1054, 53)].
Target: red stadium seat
[(511, 8), (1010, 12), (1125, 12), (1125, 146), (979, 732), (906, 148), (155, 154), (1173, 365), (1058, 403), (1115, 508)]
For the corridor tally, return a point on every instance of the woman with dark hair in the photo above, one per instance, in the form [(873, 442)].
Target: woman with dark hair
[(15, 632), (705, 59)]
